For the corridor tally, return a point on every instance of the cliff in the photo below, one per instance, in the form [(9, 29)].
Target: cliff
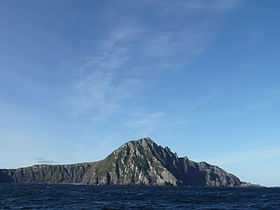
[(136, 162)]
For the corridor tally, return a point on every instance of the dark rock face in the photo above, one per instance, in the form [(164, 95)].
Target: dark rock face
[(136, 162), (6, 176)]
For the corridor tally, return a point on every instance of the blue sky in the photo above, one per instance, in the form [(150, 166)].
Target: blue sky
[(80, 78)]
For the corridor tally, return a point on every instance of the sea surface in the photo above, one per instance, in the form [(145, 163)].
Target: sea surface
[(114, 197)]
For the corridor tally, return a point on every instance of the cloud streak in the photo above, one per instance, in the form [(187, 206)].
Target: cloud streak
[(145, 123), (41, 160), (213, 5), (247, 156), (104, 84), (132, 56)]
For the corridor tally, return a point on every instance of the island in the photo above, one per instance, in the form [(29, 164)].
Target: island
[(139, 162)]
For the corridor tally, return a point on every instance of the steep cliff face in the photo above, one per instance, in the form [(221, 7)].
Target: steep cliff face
[(139, 162), (136, 162), (6, 176)]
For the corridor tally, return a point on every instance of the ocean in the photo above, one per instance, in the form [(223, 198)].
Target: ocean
[(25, 197)]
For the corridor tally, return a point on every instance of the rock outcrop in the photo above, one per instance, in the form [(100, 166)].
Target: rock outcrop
[(140, 162)]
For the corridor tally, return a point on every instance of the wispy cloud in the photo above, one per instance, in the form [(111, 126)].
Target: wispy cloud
[(247, 156), (105, 83), (197, 7), (41, 160), (132, 56), (214, 5), (145, 123)]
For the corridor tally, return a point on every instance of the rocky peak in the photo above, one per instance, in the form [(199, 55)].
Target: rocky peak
[(144, 142), (146, 148)]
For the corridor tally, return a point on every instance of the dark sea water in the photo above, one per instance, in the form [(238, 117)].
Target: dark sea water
[(90, 197)]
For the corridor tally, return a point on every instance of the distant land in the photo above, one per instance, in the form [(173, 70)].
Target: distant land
[(140, 162)]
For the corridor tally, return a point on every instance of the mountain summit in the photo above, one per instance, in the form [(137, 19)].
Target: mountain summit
[(140, 162)]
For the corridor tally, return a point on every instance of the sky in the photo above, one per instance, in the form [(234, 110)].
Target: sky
[(80, 78)]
